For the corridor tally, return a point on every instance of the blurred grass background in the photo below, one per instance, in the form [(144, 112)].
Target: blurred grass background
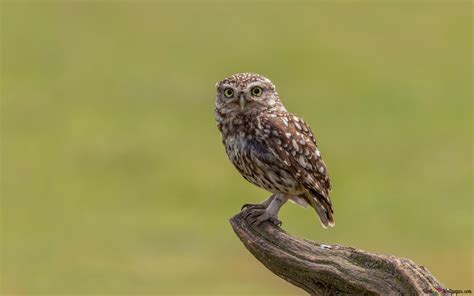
[(114, 179)]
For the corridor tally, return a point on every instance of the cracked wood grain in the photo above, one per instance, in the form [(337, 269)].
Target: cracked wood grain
[(322, 269)]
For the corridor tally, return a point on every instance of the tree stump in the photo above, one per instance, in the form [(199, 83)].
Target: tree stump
[(322, 269)]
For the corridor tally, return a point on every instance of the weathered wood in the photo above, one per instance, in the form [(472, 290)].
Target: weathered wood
[(322, 269)]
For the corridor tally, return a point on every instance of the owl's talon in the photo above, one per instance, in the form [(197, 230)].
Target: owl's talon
[(276, 222), (266, 217), (257, 215), (252, 206), (253, 214)]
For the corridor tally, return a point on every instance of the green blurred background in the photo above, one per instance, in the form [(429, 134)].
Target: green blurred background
[(114, 178)]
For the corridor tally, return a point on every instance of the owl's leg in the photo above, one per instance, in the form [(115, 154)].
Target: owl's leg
[(259, 215), (268, 200), (263, 204)]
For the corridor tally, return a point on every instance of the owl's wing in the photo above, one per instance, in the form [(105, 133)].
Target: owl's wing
[(290, 139)]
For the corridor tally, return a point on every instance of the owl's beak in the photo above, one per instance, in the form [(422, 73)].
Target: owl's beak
[(242, 101)]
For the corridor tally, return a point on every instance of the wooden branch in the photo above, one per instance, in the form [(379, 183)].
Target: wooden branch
[(322, 269)]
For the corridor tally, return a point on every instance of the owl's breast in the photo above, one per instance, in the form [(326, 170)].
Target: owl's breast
[(240, 146), (245, 152), (257, 164)]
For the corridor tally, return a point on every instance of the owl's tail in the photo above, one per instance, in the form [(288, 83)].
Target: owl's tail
[(323, 208)]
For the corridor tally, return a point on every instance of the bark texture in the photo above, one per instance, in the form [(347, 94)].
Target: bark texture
[(322, 269)]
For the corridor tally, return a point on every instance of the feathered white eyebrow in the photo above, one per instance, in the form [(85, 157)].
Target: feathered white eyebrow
[(253, 84), (225, 86)]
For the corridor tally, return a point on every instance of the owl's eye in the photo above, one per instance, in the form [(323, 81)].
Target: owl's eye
[(228, 92), (257, 91)]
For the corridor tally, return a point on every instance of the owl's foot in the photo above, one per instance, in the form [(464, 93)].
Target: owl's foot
[(257, 214), (264, 203), (252, 206)]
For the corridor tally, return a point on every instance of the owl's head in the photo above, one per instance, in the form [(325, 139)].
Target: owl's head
[(246, 93)]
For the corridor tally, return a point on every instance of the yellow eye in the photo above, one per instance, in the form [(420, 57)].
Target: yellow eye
[(257, 91), (228, 92)]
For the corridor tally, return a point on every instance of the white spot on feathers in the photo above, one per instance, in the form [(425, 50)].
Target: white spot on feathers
[(298, 126), (295, 145), (302, 161)]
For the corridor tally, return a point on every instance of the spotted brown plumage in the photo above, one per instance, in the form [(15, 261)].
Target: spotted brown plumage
[(271, 147)]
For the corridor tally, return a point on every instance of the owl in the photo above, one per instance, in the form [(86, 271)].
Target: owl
[(271, 148)]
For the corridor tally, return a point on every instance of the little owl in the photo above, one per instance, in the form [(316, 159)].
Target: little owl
[(271, 148)]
